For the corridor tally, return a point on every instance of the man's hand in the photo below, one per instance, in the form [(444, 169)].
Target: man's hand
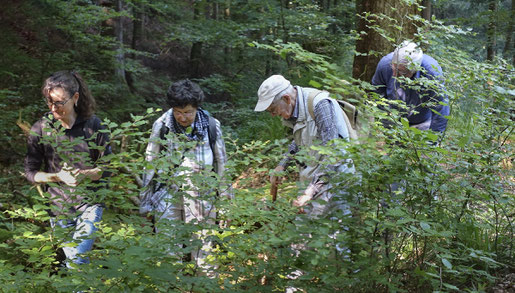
[(310, 191), (301, 200)]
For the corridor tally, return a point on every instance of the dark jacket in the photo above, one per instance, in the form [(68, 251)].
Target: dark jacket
[(46, 148), (387, 85)]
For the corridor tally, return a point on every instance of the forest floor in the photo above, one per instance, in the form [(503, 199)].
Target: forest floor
[(504, 285)]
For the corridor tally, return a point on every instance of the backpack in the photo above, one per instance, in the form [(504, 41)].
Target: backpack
[(211, 132), (350, 113)]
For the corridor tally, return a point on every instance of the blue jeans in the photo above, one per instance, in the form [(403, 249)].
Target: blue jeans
[(84, 225)]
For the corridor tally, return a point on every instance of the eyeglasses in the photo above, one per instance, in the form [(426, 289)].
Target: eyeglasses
[(400, 70), (186, 114), (58, 104), (275, 104), (272, 108)]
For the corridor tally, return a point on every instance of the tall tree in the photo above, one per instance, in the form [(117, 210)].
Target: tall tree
[(381, 24), (491, 31), (120, 54), (138, 33), (426, 11), (508, 47), (196, 48)]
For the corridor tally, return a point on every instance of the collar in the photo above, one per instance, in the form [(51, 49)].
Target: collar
[(416, 75), (199, 127), (78, 121)]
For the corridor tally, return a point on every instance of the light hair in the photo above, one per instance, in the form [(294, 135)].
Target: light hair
[(287, 91), (408, 53)]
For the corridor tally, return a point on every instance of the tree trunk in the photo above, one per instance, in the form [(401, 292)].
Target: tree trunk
[(491, 31), (227, 17), (336, 14), (284, 5), (215, 11), (371, 46), (137, 38), (426, 12), (120, 56), (196, 48), (508, 48), (138, 27)]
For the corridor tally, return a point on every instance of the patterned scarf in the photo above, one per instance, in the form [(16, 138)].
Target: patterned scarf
[(199, 127)]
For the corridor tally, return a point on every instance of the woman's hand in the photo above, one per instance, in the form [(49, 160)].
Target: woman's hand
[(68, 175)]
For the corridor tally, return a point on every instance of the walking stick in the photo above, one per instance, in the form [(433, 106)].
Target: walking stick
[(273, 191)]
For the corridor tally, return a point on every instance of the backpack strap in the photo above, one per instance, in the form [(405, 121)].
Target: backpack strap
[(211, 133), (163, 131), (353, 134), (348, 110), (311, 98)]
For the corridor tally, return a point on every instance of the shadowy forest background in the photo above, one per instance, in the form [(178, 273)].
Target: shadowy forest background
[(448, 229)]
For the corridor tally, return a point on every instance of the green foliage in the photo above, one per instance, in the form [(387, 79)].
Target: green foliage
[(445, 226), (474, 17), (423, 217)]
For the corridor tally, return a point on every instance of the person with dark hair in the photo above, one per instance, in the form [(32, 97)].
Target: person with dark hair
[(202, 149), (63, 166)]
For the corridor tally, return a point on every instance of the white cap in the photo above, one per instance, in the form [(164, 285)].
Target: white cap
[(269, 89), (407, 52)]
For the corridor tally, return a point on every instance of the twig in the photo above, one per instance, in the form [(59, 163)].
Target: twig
[(135, 176)]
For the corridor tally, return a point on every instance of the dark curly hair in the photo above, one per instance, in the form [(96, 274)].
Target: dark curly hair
[(183, 93), (71, 82)]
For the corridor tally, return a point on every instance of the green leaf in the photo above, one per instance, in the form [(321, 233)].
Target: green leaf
[(451, 287), (425, 226), (315, 84), (416, 130), (463, 141), (447, 263), (405, 122), (431, 135), (396, 212), (70, 244)]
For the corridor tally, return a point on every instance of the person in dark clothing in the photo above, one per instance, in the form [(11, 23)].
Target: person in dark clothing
[(427, 108), (59, 151)]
